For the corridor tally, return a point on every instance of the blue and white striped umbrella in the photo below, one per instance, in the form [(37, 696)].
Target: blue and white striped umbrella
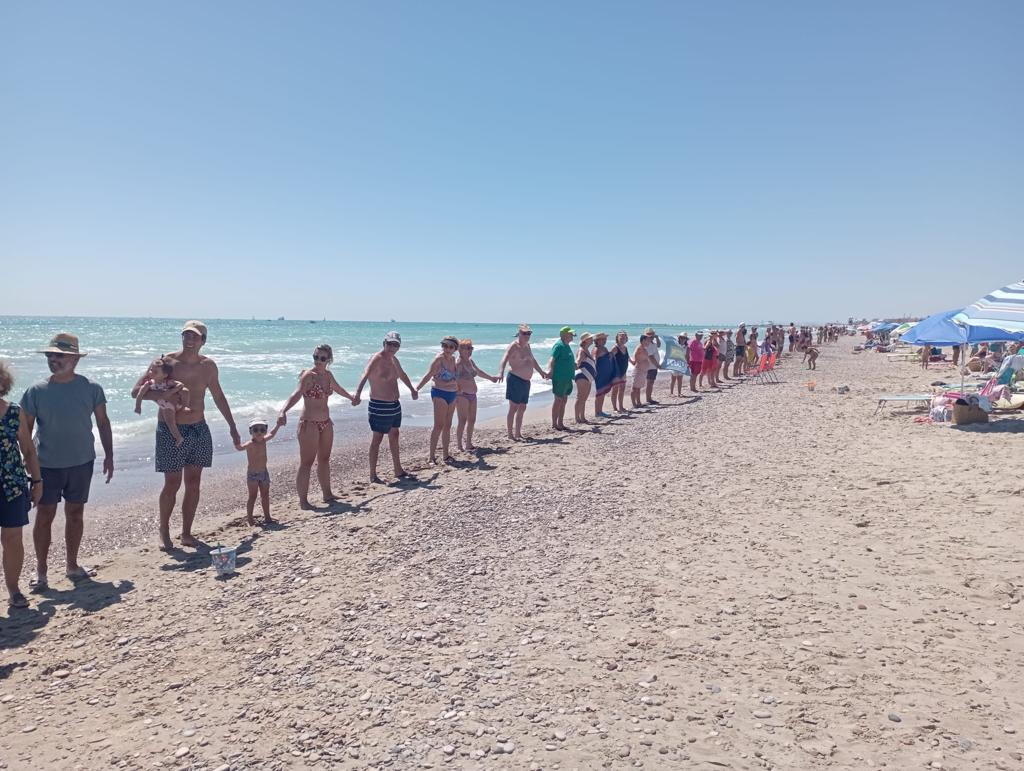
[(1001, 309)]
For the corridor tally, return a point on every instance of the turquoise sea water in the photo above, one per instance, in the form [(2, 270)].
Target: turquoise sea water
[(260, 362)]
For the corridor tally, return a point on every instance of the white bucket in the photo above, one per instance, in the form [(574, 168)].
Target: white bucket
[(223, 560)]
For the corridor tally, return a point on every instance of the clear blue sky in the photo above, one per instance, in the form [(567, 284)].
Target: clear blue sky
[(497, 161)]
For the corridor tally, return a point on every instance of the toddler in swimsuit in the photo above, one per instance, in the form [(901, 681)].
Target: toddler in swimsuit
[(257, 477), (171, 396)]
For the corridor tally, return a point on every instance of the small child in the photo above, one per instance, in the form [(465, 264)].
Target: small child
[(257, 477), (170, 395), (811, 356)]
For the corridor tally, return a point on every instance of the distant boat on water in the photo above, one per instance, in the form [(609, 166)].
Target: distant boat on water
[(280, 318)]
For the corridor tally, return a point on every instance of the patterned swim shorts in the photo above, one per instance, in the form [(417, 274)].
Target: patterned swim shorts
[(196, 450)]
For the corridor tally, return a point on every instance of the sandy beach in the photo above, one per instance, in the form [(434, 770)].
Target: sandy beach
[(761, 578)]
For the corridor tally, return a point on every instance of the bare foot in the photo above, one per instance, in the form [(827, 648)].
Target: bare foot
[(402, 474), (250, 521), (512, 437), (187, 539), (307, 506), (268, 520), (449, 459), (331, 498), (470, 447), (166, 544)]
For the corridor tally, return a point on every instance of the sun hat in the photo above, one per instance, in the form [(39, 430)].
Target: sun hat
[(393, 337), (257, 422), (567, 331), (600, 335), (64, 342), (699, 333), (586, 337), (195, 326)]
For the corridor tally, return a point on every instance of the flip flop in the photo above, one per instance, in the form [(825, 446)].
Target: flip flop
[(18, 600), (82, 574)]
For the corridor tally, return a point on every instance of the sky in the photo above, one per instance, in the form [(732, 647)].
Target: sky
[(493, 161)]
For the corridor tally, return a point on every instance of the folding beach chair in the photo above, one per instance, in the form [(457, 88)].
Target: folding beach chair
[(762, 368), (771, 368), (922, 399)]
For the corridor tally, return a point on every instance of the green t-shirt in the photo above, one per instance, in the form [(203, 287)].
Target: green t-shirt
[(565, 362), (63, 413)]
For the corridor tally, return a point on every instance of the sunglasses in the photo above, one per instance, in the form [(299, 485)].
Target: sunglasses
[(258, 430), (52, 355), (393, 345), (321, 358), (526, 334), (467, 347)]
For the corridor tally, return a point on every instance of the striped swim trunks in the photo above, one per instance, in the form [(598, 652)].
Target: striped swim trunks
[(384, 416)]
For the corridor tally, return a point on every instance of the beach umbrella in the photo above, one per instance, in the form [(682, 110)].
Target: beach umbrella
[(942, 329), (1000, 309), (898, 332)]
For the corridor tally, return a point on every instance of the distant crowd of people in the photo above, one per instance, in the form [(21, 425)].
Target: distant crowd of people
[(47, 450)]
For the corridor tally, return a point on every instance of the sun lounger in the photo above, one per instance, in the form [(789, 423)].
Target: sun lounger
[(905, 356), (883, 399)]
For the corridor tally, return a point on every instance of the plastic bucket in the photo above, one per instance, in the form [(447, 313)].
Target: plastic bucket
[(223, 560), (810, 385)]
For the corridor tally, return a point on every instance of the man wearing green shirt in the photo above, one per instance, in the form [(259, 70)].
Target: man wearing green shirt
[(561, 369)]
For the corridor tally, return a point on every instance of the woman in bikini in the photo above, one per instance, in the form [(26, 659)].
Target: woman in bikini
[(316, 429), (465, 404), (586, 372), (443, 394)]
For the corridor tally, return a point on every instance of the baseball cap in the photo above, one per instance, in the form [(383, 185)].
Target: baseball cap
[(195, 326), (393, 337), (257, 422), (567, 330)]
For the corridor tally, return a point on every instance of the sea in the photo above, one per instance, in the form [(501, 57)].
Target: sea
[(260, 361)]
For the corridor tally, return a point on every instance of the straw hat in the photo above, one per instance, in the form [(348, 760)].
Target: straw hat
[(64, 342), (586, 337)]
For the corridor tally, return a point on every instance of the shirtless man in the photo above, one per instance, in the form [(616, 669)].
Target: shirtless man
[(384, 371), (740, 367), (187, 460), (521, 363)]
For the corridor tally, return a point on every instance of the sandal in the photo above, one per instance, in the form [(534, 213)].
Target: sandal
[(39, 584), (18, 600)]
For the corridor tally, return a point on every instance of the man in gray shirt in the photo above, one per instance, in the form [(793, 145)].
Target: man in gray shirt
[(61, 409)]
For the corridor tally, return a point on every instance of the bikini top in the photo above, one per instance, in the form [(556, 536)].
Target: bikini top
[(444, 375), (464, 370), (315, 391)]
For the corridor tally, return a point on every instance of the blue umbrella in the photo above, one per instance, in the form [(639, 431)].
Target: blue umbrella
[(1001, 309), (941, 330)]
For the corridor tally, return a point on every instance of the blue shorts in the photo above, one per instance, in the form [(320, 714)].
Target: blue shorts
[(448, 396), (72, 484), (384, 416), (517, 390), (15, 513)]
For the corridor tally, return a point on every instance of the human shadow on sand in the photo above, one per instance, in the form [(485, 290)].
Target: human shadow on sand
[(22, 625)]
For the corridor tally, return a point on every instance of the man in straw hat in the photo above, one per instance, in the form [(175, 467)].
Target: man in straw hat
[(521, 365), (185, 462), (62, 409), (653, 348)]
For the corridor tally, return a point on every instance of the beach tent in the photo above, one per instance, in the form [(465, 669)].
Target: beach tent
[(1001, 309), (941, 330)]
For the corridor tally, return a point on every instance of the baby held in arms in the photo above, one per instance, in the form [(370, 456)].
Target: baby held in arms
[(170, 395)]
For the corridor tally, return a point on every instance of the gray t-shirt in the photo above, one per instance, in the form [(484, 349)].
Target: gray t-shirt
[(63, 413)]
